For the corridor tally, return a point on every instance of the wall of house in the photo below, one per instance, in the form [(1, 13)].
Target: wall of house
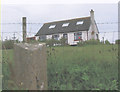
[(90, 36), (71, 37), (60, 36), (36, 37), (84, 35), (48, 36)]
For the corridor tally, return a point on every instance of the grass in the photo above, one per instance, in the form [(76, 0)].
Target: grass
[(92, 67)]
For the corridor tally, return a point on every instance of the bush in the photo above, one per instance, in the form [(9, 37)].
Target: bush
[(89, 42), (107, 42), (63, 41), (9, 44), (92, 42), (117, 42), (81, 43), (52, 42)]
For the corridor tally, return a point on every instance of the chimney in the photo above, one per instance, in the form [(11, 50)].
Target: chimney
[(92, 23), (92, 15)]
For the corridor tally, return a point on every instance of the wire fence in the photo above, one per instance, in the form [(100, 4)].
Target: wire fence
[(13, 30), (63, 59)]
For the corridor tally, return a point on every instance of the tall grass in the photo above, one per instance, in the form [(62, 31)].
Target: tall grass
[(92, 67), (83, 68)]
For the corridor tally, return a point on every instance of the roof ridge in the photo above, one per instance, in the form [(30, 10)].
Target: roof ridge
[(67, 20)]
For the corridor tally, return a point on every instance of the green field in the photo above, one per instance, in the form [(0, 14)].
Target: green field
[(92, 67)]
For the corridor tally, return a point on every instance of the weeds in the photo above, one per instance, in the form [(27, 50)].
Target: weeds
[(77, 68)]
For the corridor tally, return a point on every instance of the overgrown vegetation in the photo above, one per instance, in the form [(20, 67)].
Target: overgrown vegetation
[(53, 42), (107, 42), (9, 44), (93, 67), (117, 42), (90, 67), (89, 42), (92, 42)]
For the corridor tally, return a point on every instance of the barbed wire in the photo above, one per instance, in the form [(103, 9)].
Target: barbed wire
[(43, 23), (31, 32), (36, 32)]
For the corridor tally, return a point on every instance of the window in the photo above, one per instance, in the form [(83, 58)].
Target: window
[(65, 36), (78, 36), (55, 37), (42, 38), (52, 26), (65, 24), (79, 23)]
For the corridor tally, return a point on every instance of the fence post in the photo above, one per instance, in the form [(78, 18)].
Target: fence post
[(24, 29), (30, 67)]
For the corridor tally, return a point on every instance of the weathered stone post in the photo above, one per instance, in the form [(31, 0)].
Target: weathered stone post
[(30, 67)]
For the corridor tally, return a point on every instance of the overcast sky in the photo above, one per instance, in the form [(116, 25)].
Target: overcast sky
[(37, 12)]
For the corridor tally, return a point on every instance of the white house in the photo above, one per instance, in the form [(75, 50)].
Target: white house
[(73, 30)]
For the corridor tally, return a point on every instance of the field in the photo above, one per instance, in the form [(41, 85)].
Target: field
[(91, 67)]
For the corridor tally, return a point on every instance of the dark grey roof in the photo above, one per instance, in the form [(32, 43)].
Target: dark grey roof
[(72, 27)]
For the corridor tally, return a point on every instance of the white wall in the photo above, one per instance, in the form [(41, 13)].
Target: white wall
[(84, 35), (36, 37), (60, 36), (48, 36), (70, 37), (90, 36)]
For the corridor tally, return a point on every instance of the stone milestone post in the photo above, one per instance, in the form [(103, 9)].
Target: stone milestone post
[(30, 67)]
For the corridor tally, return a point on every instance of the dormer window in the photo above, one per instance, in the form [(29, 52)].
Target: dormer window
[(52, 26), (79, 23), (65, 24)]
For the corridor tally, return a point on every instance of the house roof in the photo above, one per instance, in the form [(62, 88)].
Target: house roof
[(69, 26)]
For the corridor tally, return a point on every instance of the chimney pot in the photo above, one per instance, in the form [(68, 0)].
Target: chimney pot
[(91, 10)]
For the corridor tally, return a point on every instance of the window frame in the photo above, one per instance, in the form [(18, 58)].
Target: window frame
[(65, 24), (65, 35), (79, 22), (52, 26), (80, 35), (53, 36)]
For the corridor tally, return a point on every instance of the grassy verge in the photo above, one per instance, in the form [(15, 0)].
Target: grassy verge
[(76, 68)]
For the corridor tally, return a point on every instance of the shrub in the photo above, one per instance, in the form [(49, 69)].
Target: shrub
[(117, 41), (81, 43), (93, 42), (63, 41), (52, 42), (89, 42), (8, 44), (107, 42)]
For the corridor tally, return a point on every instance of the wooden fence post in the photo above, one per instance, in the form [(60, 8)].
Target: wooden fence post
[(24, 29)]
